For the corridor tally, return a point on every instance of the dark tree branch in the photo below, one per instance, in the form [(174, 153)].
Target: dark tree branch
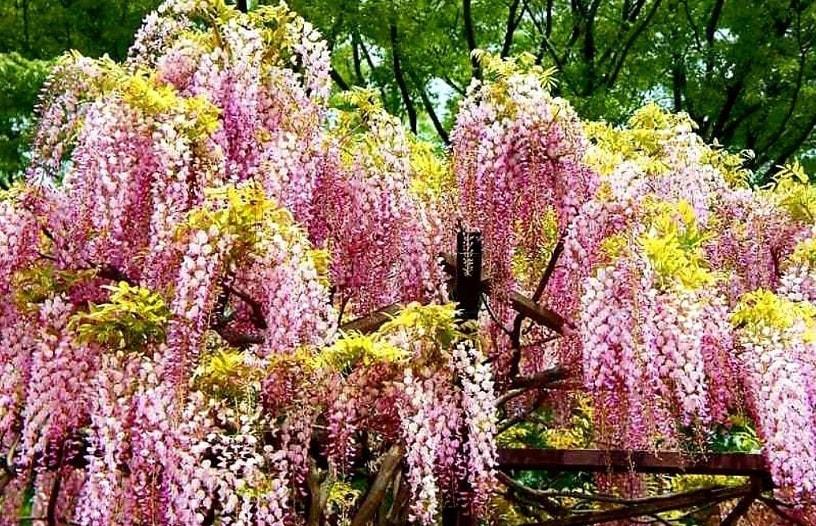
[(713, 20), (743, 505), (539, 380), (510, 29), (652, 505), (538, 497), (456, 87), (470, 37), (429, 109), (400, 78), (620, 57), (376, 493), (678, 81), (339, 80), (774, 506), (258, 318), (589, 48), (53, 498), (355, 48), (800, 75), (319, 485), (732, 94), (515, 334), (792, 146), (521, 416), (112, 273), (731, 128), (693, 25)]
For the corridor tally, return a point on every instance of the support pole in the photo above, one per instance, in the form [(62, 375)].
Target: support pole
[(467, 293)]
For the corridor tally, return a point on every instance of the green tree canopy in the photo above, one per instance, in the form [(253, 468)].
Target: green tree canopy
[(745, 72), (32, 34)]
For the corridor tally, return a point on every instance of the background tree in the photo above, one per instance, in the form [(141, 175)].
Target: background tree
[(744, 74), (32, 34)]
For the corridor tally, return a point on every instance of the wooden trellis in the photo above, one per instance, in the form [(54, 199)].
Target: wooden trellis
[(467, 287)]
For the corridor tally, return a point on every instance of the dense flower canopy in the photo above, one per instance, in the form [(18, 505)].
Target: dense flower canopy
[(200, 222)]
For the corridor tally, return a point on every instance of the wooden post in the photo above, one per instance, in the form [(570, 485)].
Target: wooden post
[(467, 293), (467, 290)]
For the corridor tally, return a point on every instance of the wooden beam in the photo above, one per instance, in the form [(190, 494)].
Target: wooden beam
[(541, 315), (622, 461), (372, 321), (652, 505), (520, 303), (743, 505)]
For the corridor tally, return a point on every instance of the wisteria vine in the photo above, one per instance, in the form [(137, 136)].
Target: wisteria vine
[(201, 225)]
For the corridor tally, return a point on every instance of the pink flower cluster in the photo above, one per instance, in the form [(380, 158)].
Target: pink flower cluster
[(517, 156), (479, 404)]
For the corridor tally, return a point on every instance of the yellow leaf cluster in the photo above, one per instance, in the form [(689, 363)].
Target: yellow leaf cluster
[(226, 373), (355, 348), (762, 309), (432, 327), (673, 245), (643, 139), (804, 253), (342, 495), (247, 215), (145, 92), (132, 318), (432, 177), (794, 193), (434, 323)]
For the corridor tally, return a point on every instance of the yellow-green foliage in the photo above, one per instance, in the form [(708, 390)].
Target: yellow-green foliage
[(321, 259), (794, 193), (354, 348), (276, 23), (804, 253), (246, 215), (673, 245), (365, 132), (432, 176), (614, 246), (13, 192), (132, 318), (429, 327), (35, 284), (762, 309), (432, 323), (143, 91), (226, 373), (642, 142), (576, 434), (499, 70), (342, 496), (507, 510), (731, 165)]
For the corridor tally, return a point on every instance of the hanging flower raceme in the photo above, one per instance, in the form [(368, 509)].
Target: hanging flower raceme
[(517, 155), (655, 340), (387, 251), (775, 337)]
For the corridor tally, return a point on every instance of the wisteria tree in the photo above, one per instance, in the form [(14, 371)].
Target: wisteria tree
[(187, 278)]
